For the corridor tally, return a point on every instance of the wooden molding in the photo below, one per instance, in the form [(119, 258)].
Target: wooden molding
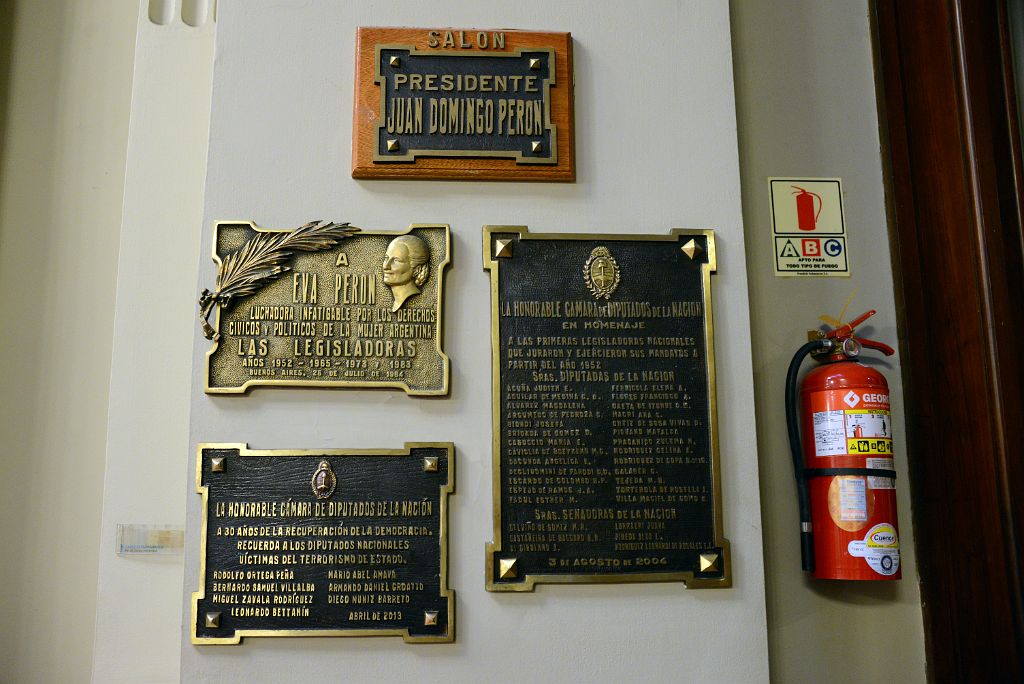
[(949, 116)]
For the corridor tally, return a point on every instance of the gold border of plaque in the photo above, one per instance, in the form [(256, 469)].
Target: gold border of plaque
[(336, 235), (244, 451), (492, 255)]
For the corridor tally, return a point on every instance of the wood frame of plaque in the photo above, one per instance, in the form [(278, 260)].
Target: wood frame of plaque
[(315, 306), (311, 540), (472, 104), (573, 506)]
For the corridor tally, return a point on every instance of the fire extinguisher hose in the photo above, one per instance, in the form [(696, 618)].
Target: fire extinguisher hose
[(793, 426)]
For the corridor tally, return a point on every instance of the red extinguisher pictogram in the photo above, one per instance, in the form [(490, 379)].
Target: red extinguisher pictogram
[(806, 216), (844, 470)]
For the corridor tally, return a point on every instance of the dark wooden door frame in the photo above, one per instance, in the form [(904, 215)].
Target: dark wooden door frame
[(949, 119)]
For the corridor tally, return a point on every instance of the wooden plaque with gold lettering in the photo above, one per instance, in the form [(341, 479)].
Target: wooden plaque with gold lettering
[(467, 104)]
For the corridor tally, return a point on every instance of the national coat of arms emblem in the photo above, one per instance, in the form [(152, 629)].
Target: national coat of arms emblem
[(323, 481), (601, 273)]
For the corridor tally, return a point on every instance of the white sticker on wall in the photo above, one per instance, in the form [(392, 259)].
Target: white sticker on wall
[(808, 227), (149, 540)]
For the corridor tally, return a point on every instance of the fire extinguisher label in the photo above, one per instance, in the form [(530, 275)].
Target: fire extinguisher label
[(880, 548), (853, 500), (881, 464), (866, 446), (867, 423), (861, 432), (829, 433)]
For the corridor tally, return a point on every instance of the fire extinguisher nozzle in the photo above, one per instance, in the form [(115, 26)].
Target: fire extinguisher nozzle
[(807, 550)]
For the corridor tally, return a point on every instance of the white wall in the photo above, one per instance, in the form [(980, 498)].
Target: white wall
[(147, 436), (805, 102), (279, 154), (805, 105), (63, 126)]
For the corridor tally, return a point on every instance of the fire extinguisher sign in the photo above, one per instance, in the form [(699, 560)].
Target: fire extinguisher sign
[(808, 228)]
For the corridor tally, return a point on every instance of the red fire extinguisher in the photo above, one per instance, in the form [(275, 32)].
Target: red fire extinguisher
[(844, 471), (806, 216)]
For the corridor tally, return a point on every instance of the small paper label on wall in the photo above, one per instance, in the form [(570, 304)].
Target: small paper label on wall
[(808, 228), (149, 540)]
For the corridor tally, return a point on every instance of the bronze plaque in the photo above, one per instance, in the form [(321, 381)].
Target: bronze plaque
[(324, 543), (605, 454), (466, 104), (326, 305)]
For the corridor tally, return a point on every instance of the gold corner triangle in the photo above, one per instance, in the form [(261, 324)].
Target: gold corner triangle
[(392, 145), (534, 63), (217, 464), (212, 620), (692, 249), (535, 146), (507, 568), (395, 61), (502, 249), (708, 562), (429, 617), (430, 464)]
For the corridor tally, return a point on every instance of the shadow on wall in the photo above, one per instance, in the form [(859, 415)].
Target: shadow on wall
[(30, 86), (855, 593), (6, 50)]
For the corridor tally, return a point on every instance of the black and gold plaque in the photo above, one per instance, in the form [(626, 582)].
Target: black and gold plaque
[(324, 543), (326, 305), (472, 104), (605, 456)]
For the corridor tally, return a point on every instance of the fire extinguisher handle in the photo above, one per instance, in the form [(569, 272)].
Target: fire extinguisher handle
[(877, 346), (846, 330)]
